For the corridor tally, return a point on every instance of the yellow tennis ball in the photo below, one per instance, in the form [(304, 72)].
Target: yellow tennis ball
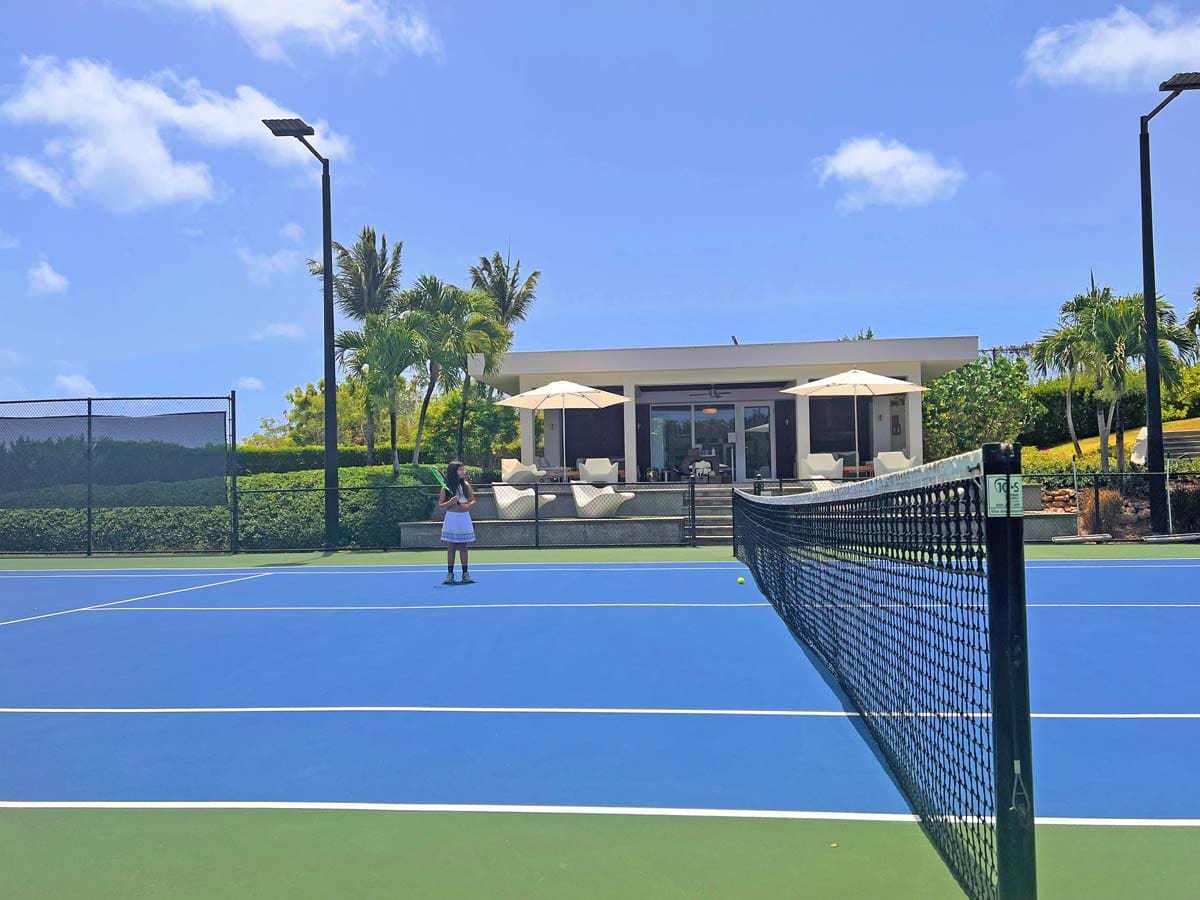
[(741, 580)]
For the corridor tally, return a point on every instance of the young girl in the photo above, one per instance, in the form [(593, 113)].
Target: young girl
[(456, 498)]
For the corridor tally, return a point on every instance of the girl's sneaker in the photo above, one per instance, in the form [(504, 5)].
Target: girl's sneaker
[(467, 579), (449, 579)]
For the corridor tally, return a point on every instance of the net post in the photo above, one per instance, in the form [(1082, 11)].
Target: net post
[(89, 477), (1008, 646), (234, 516)]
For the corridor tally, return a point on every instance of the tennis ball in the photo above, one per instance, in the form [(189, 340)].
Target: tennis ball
[(741, 580)]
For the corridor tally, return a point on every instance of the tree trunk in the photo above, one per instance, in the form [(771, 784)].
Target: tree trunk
[(434, 371), (462, 417), (392, 413), (1071, 415), (369, 429), (1102, 430), (1120, 423)]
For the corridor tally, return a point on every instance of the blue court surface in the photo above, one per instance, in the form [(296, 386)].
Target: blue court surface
[(555, 685)]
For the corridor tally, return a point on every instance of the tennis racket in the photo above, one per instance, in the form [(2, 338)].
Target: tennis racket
[(440, 479)]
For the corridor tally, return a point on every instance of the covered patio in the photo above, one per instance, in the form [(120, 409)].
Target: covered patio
[(723, 406)]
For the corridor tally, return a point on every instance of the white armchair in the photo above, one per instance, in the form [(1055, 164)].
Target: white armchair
[(513, 471), (598, 471), (517, 503), (592, 502), (821, 465), (888, 461)]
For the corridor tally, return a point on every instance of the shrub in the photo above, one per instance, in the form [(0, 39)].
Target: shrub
[(1185, 507), (1110, 510)]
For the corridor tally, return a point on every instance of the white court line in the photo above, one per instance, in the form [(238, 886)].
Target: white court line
[(421, 568), (67, 612), (666, 811), (553, 710), (600, 605)]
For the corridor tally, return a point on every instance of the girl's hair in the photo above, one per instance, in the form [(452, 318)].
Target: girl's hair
[(452, 478)]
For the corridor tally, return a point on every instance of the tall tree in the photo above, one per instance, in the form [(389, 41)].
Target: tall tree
[(1064, 349), (1192, 323), (425, 305), (368, 276), (380, 353), (474, 329), (367, 283), (511, 297)]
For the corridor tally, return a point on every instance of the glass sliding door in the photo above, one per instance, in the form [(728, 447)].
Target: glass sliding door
[(757, 429), (670, 437), (716, 437)]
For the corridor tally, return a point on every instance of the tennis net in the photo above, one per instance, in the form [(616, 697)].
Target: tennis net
[(909, 589)]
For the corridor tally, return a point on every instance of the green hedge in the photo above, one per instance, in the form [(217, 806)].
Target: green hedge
[(277, 511), (200, 492), (1050, 428), (26, 464), (263, 460)]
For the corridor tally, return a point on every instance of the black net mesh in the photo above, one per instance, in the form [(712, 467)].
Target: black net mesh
[(886, 583), (115, 474)]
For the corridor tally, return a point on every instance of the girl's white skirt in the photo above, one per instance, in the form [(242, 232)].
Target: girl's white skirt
[(457, 528)]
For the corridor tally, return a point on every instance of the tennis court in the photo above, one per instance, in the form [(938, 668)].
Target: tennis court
[(560, 729)]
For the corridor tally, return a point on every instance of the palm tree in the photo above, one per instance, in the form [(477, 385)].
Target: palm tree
[(474, 329), (425, 305), (367, 283), (1059, 350), (511, 297), (1192, 323), (380, 353), (368, 277)]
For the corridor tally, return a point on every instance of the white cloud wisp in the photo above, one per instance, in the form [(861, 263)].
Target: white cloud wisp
[(1116, 51), (884, 172), (113, 141), (43, 279)]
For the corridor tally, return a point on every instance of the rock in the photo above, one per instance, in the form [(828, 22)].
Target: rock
[(1144, 514), (1127, 518)]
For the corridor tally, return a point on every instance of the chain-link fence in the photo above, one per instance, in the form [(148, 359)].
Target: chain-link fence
[(117, 474), (1117, 504)]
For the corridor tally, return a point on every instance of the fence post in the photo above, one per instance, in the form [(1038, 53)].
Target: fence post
[(758, 486), (537, 515), (692, 504), (1008, 650), (89, 477), (1096, 527), (233, 464), (1167, 478)]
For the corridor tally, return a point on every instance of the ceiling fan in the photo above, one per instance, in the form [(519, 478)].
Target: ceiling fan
[(712, 393)]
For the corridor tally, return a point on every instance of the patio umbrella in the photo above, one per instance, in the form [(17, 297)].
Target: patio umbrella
[(564, 395), (854, 383)]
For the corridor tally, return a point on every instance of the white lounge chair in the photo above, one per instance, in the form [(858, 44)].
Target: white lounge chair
[(888, 461), (592, 502), (702, 468), (517, 503), (598, 470), (513, 471), (821, 465)]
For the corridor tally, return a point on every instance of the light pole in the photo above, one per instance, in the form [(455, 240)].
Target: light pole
[(301, 130), (1185, 81)]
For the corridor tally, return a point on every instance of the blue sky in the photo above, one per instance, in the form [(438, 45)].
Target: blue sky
[(680, 172)]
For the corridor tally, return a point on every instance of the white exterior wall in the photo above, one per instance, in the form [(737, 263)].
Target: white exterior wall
[(630, 417)]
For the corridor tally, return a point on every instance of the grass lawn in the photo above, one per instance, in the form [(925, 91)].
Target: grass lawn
[(1062, 453)]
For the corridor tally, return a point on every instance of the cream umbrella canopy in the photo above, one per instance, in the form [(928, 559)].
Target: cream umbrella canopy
[(564, 395), (854, 383)]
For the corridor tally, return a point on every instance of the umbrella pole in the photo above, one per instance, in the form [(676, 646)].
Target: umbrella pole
[(854, 400), (563, 428)]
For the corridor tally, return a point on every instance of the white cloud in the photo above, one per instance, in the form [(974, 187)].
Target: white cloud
[(113, 143), (1116, 51), (281, 330), (44, 280), (7, 241), (76, 385), (250, 383), (42, 177), (10, 357), (292, 231), (262, 267), (336, 26), (192, 232), (879, 171)]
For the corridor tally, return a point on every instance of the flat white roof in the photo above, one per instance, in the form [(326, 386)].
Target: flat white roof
[(924, 358)]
